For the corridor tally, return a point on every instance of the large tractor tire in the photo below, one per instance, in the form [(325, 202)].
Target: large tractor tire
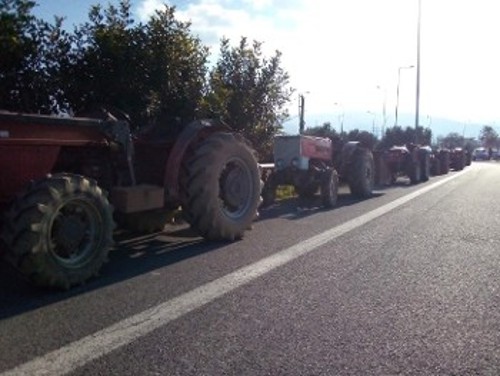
[(425, 166), (222, 188), (329, 188), (445, 162), (361, 173), (436, 167), (414, 172), (58, 232)]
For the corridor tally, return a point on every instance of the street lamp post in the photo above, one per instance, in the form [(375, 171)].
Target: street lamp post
[(341, 118), (397, 92), (417, 102), (373, 121)]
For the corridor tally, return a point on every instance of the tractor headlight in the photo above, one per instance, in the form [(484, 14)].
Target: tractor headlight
[(295, 162), (280, 164)]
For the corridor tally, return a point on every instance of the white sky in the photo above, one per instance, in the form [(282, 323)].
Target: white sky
[(349, 51), (340, 51)]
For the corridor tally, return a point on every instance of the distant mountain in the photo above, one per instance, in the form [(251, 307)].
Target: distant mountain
[(373, 123)]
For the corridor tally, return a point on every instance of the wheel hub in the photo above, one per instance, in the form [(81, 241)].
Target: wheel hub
[(69, 234), (235, 188)]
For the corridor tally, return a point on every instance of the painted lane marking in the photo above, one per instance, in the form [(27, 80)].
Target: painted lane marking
[(81, 352)]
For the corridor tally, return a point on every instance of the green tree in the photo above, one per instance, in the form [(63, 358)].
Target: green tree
[(324, 130), (154, 72), (488, 137), (397, 136), (364, 137), (33, 52), (452, 140), (249, 92)]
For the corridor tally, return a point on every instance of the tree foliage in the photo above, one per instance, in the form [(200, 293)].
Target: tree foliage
[(33, 52), (488, 137), (157, 72), (154, 72), (366, 138), (249, 92), (398, 136), (452, 140)]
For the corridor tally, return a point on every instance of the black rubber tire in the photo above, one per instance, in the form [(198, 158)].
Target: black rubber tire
[(268, 193), (414, 172), (436, 167), (460, 163), (222, 187), (445, 163), (468, 159), (425, 167), (361, 173), (59, 231), (329, 188)]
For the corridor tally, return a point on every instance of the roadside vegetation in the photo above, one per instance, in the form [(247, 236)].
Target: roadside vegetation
[(158, 73)]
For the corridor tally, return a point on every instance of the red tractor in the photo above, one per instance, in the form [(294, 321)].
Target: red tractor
[(311, 164), (440, 162), (458, 159), (409, 160), (63, 181)]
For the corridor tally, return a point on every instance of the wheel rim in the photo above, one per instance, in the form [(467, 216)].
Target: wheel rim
[(75, 233), (236, 189)]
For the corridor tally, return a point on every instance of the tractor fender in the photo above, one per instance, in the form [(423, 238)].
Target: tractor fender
[(194, 132), (347, 152)]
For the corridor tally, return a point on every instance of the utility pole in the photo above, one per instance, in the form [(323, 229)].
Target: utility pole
[(417, 104), (301, 113)]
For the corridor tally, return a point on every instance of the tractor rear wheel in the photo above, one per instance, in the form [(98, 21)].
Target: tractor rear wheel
[(436, 167), (415, 172), (426, 167), (222, 187), (59, 231), (329, 188), (361, 173)]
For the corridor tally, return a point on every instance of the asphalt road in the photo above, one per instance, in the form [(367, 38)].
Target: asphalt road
[(405, 283)]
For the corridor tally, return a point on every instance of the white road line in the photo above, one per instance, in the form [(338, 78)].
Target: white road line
[(87, 349)]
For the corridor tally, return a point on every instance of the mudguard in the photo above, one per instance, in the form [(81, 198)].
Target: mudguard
[(193, 133)]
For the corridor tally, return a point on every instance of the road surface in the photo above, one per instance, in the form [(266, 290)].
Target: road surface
[(405, 283)]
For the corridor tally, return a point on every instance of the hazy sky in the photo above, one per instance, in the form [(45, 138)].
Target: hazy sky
[(349, 51)]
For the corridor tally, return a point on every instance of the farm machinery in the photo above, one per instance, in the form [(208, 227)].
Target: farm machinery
[(64, 182), (409, 160), (458, 159), (311, 164)]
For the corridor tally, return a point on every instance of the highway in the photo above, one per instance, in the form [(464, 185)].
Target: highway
[(404, 283)]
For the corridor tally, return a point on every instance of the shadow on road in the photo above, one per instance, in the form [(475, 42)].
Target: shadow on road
[(295, 208), (135, 255), (132, 256)]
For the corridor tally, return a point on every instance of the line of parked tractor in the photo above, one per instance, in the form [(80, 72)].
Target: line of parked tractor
[(313, 165), (67, 183)]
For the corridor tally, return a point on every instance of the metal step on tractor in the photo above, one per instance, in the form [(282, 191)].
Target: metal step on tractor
[(64, 182)]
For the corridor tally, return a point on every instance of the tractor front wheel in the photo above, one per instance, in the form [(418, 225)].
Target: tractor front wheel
[(361, 173), (59, 231), (329, 188)]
